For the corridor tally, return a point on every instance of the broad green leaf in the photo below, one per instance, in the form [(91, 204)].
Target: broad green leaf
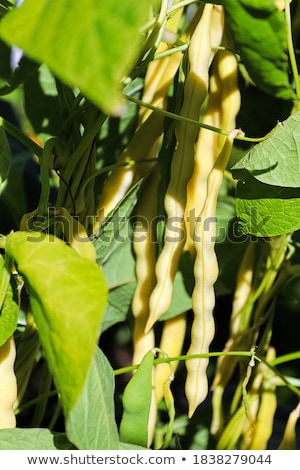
[(42, 105), (68, 297), (264, 210), (91, 424), (114, 253), (90, 44), (276, 160), (267, 194), (127, 446), (259, 33), (9, 311), (136, 403), (5, 157), (116, 229), (33, 439)]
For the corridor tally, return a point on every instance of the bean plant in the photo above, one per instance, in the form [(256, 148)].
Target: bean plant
[(149, 219)]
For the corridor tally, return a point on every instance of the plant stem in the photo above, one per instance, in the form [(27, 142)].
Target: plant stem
[(167, 359), (192, 122), (250, 354), (15, 132), (292, 51)]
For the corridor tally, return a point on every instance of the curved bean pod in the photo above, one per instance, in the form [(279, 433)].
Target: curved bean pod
[(206, 273), (222, 108), (200, 56), (171, 343), (144, 249)]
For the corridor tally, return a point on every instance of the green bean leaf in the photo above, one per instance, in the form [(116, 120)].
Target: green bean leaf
[(276, 160), (116, 229), (114, 253), (136, 403), (8, 316), (269, 183), (266, 211), (90, 44), (91, 424), (68, 297), (9, 308), (259, 33), (33, 439)]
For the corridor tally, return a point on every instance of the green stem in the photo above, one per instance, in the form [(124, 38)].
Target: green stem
[(186, 357), (83, 145), (294, 356), (171, 10), (250, 354), (171, 51), (113, 167), (15, 132), (192, 122), (45, 161), (55, 415), (34, 401), (292, 50)]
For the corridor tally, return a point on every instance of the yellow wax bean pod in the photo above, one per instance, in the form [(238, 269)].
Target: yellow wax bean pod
[(233, 430), (226, 364), (263, 427), (163, 70), (160, 72), (122, 178), (206, 273), (289, 438), (250, 404), (74, 232), (144, 248), (200, 55), (222, 108), (241, 422), (76, 235), (8, 384), (169, 401), (206, 152), (280, 4), (265, 419), (142, 146), (171, 343)]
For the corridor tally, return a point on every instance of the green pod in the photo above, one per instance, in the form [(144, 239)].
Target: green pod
[(137, 402)]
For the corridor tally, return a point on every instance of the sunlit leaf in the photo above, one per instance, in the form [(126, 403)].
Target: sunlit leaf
[(68, 297), (91, 424), (90, 44), (9, 311), (259, 33), (267, 195), (33, 439), (276, 160)]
